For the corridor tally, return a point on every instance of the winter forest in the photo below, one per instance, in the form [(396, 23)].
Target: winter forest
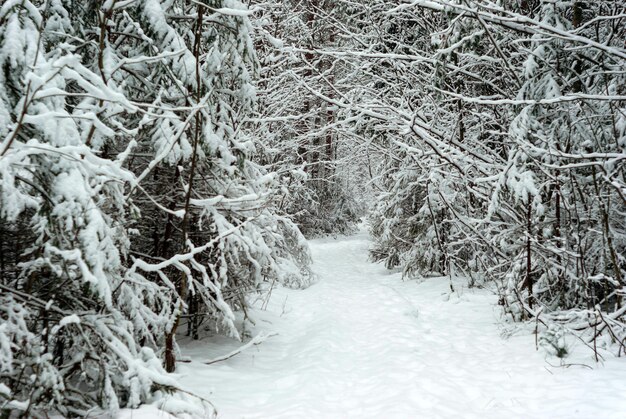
[(312, 208)]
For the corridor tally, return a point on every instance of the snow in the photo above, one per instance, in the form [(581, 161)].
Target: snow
[(144, 412), (234, 12), (362, 343), (4, 390), (71, 319)]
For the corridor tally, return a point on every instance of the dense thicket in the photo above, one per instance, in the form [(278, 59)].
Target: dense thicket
[(304, 135), (506, 164), (128, 198)]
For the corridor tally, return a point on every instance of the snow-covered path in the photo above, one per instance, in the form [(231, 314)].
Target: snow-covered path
[(361, 343)]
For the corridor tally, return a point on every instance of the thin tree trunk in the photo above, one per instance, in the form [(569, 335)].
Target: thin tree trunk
[(529, 281), (170, 357)]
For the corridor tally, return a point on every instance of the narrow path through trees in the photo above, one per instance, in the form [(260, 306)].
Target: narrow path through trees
[(362, 343)]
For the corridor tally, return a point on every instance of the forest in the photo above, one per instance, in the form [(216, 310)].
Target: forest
[(166, 164)]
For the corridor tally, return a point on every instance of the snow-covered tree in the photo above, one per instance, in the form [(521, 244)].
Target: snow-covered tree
[(128, 181), (305, 139), (502, 149), (70, 318)]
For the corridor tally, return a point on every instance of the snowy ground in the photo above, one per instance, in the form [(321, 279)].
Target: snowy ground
[(361, 343)]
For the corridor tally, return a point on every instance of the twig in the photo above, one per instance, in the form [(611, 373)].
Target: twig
[(257, 340)]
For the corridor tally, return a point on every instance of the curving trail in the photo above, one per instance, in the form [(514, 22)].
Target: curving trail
[(361, 343)]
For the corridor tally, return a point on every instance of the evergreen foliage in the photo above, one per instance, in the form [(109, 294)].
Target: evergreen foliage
[(128, 188)]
